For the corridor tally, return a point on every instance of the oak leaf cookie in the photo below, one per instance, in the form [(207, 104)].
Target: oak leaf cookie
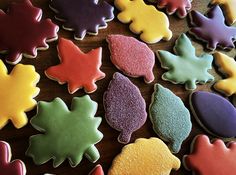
[(65, 134), (212, 29), (132, 57), (185, 67), (82, 16), (208, 158), (78, 69), (17, 91), (170, 118), (146, 20), (22, 31), (146, 157), (125, 108)]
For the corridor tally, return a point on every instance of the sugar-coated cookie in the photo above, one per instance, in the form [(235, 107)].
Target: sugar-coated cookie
[(22, 31), (227, 66), (214, 113), (170, 118), (132, 57), (212, 29), (146, 157), (8, 167), (17, 91), (82, 16), (184, 67), (78, 69), (125, 108), (208, 158), (65, 134), (151, 24), (97, 170)]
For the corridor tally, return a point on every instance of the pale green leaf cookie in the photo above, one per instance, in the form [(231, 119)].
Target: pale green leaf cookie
[(185, 67), (66, 134), (170, 118)]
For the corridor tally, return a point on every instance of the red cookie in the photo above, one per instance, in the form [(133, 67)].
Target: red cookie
[(97, 170)]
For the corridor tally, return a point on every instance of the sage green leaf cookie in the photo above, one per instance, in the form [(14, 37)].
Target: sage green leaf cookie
[(185, 67), (170, 118), (65, 134)]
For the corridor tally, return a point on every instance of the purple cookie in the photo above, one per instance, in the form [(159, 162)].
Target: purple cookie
[(125, 108), (214, 113)]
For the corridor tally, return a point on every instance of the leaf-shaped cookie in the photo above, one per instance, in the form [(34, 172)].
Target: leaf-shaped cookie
[(208, 158), (83, 16), (146, 20), (185, 67), (124, 106), (229, 7), (66, 134), (97, 171), (212, 29), (78, 69), (146, 157), (227, 66), (170, 118), (17, 91), (22, 31)]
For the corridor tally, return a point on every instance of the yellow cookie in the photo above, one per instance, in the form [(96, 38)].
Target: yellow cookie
[(145, 157), (146, 20), (230, 9), (227, 66), (17, 91)]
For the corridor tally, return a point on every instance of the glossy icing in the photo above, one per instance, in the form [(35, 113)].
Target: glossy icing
[(97, 170), (125, 108), (145, 23), (79, 134), (208, 158), (132, 57), (23, 32), (212, 29), (17, 91), (78, 69), (146, 157), (184, 61)]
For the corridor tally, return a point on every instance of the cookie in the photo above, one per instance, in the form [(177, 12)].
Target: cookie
[(22, 31), (208, 158), (170, 118), (212, 29), (125, 108), (229, 7), (97, 170), (132, 57), (82, 16), (8, 167), (146, 157), (145, 23), (184, 67), (79, 134), (227, 66), (78, 69), (214, 113), (17, 91)]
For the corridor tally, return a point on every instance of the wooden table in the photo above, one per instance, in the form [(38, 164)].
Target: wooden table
[(108, 147)]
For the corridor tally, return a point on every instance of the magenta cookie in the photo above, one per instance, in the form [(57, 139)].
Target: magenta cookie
[(125, 108), (132, 57)]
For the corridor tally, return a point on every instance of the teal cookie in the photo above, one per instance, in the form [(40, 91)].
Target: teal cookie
[(170, 118)]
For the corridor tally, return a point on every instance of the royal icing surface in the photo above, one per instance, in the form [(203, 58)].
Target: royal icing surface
[(132, 57), (78, 69), (97, 170), (185, 61), (145, 23), (23, 32), (146, 157), (125, 108)]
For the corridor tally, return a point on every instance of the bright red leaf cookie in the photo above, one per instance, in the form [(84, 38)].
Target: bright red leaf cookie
[(78, 69), (97, 170)]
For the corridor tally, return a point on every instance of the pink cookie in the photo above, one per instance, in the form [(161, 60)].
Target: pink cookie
[(132, 57)]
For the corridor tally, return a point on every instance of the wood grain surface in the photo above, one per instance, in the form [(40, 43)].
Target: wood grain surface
[(108, 147)]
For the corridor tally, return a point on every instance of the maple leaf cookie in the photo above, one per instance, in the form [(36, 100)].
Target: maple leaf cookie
[(22, 31), (78, 69)]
